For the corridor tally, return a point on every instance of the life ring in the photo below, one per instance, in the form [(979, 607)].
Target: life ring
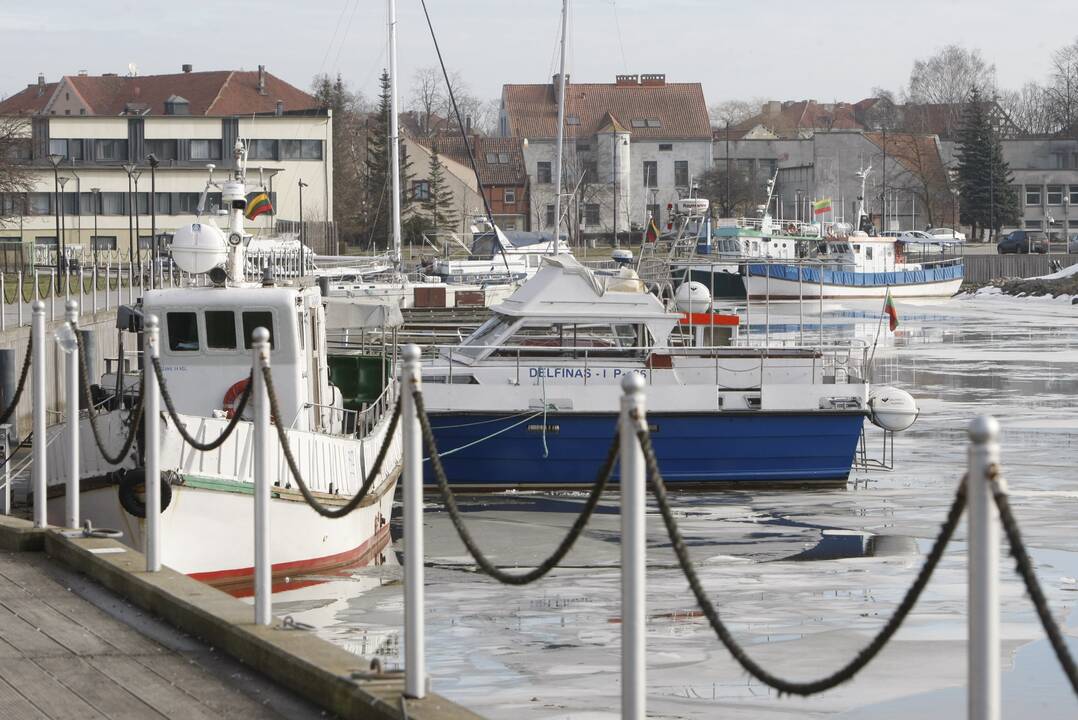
[(232, 395), (133, 483)]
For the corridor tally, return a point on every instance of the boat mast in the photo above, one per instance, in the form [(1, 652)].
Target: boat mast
[(561, 131), (394, 136)]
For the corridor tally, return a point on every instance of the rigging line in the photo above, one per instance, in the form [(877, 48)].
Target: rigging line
[(333, 38), (344, 37), (621, 44), (464, 136), (489, 437)]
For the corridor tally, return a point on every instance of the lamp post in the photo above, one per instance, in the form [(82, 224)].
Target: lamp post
[(60, 244), (154, 162), (130, 168), (301, 233), (138, 240), (96, 193), (56, 159)]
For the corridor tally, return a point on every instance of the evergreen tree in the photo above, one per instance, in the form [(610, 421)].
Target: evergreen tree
[(377, 185), (440, 203), (987, 197)]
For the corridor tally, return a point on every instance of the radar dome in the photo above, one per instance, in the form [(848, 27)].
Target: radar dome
[(692, 297), (199, 247), (892, 409)]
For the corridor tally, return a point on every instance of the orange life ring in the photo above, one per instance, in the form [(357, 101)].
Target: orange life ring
[(232, 395)]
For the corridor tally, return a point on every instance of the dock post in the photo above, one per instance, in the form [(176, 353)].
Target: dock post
[(70, 346), (263, 571), (37, 331), (151, 412), (633, 551), (415, 662), (983, 641)]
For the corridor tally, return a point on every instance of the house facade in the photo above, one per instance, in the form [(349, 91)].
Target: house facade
[(632, 148), (81, 131)]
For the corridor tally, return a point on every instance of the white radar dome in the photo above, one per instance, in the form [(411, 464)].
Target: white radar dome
[(199, 247), (692, 297), (692, 206), (892, 409)]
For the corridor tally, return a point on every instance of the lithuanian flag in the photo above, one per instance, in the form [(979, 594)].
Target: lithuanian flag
[(822, 206), (652, 233), (890, 310), (258, 203)]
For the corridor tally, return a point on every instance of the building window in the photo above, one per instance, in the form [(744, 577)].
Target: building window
[(301, 149), (39, 203), (542, 173), (186, 203), (572, 119), (1073, 224), (583, 147), (111, 150), (48, 241), (69, 149), (11, 204), (163, 204), (654, 123), (666, 147), (103, 242), (548, 219), (163, 150), (638, 122), (205, 149), (745, 167), (182, 331), (1073, 195), (1054, 194), (591, 171), (112, 203), (262, 150), (1033, 224), (591, 214), (510, 196), (420, 190), (651, 173), (769, 167), (681, 173), (1033, 194)]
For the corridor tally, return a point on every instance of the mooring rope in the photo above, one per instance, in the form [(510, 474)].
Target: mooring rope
[(182, 428), (135, 416), (6, 415)]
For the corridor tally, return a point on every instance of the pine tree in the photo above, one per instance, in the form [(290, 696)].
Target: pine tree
[(987, 197), (377, 185), (440, 205)]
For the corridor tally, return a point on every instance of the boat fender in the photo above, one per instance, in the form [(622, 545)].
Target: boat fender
[(892, 409), (132, 487), (232, 395)]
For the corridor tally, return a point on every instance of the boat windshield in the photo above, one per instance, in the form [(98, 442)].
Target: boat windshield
[(490, 333), (573, 340)]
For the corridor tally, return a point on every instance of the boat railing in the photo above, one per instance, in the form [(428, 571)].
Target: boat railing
[(368, 417)]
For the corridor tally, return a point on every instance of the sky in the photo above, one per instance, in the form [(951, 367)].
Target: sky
[(779, 50)]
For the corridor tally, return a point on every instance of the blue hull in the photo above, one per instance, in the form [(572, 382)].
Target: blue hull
[(486, 451)]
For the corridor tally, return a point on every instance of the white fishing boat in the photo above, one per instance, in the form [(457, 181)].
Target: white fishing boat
[(336, 409)]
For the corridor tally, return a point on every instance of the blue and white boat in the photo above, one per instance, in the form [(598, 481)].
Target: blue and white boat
[(530, 399)]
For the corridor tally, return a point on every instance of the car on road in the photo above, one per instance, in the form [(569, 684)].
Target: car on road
[(945, 233), (1022, 242), (916, 236), (1072, 244)]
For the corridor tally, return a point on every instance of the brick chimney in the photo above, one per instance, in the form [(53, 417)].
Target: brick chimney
[(279, 109), (261, 79), (653, 79), (187, 67)]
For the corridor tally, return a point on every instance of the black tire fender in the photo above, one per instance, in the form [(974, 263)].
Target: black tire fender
[(132, 484)]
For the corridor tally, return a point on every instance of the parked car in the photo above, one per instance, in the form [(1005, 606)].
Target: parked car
[(1022, 242), (916, 236), (944, 233), (1072, 244)]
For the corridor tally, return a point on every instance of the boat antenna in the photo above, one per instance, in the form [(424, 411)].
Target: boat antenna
[(561, 133), (394, 135), (464, 134)]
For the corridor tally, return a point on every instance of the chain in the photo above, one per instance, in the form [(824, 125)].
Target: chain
[(22, 383), (91, 414), (484, 562), (188, 438), (368, 482), (1024, 567), (726, 637)]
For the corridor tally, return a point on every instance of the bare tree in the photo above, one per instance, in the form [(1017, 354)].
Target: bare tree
[(921, 172), (15, 178), (734, 111), (948, 77), (1061, 93), (1030, 108), (427, 95)]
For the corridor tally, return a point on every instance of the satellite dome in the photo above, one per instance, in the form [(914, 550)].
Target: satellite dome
[(199, 247), (692, 297)]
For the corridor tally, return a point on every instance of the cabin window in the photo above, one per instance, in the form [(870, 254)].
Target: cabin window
[(857, 247), (182, 331), (220, 330), (256, 319), (868, 252)]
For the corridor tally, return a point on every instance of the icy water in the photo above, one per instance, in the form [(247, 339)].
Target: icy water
[(784, 568)]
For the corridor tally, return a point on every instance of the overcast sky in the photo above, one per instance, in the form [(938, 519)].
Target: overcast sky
[(836, 50)]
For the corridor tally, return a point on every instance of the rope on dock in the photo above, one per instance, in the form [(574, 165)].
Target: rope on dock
[(783, 685), (188, 438), (1024, 568), (368, 482), (482, 560), (6, 415), (135, 416)]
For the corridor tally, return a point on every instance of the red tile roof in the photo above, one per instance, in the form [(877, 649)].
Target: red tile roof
[(679, 107), (789, 118), (510, 173), (216, 93)]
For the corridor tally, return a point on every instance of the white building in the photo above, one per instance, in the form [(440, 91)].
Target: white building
[(94, 126), (631, 148)]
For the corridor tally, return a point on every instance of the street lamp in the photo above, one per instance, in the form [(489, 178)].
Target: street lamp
[(154, 162), (56, 159), (138, 240), (129, 168), (301, 233), (96, 193), (60, 244)]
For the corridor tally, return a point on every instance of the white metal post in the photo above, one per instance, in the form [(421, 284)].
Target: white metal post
[(93, 281), (262, 466), (415, 663), (984, 648), (37, 331), (633, 551), (151, 413), (3, 304), (18, 276), (71, 392)]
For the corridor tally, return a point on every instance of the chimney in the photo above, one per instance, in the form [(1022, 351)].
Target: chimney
[(187, 67), (40, 84), (468, 124), (626, 80), (653, 79), (772, 107), (261, 79), (279, 109)]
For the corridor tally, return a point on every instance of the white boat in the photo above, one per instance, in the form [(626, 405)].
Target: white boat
[(498, 257), (207, 497)]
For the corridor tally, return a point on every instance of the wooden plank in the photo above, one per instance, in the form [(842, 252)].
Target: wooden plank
[(115, 632), (14, 706), (25, 638), (59, 627), (154, 690), (108, 698), (45, 692), (224, 700)]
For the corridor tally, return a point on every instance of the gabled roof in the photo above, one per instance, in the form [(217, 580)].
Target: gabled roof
[(919, 154), (792, 119), (211, 93), (512, 172), (677, 109), (611, 124)]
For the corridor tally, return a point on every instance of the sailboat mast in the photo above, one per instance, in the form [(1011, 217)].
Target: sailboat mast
[(561, 130), (394, 136)]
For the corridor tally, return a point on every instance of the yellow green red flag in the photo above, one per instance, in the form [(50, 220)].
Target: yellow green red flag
[(258, 203), (822, 206)]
